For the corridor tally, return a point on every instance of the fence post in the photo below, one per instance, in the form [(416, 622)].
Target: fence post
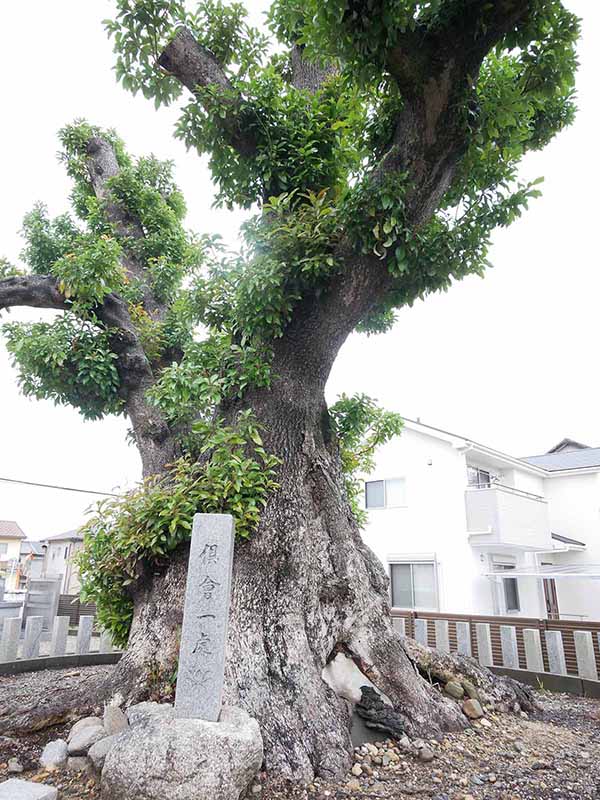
[(484, 644), (533, 649), (421, 630), (399, 624), (463, 638), (60, 632), (33, 635), (508, 640), (106, 645), (84, 635), (556, 652), (9, 644), (586, 660), (442, 638)]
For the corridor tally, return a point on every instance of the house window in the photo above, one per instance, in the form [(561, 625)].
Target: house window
[(478, 477), (511, 594), (3, 548), (390, 493), (510, 588), (414, 585)]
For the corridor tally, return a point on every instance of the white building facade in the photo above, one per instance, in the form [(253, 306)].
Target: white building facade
[(462, 528)]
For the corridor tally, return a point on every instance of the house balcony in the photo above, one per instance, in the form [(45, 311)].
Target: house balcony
[(507, 519)]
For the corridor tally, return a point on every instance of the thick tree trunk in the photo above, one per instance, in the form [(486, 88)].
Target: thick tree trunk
[(305, 587)]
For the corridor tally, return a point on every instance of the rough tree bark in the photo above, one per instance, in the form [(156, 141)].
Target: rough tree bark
[(305, 587)]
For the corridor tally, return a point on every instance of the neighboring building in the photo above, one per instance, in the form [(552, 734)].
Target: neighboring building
[(463, 528), (31, 562), (11, 537), (58, 560)]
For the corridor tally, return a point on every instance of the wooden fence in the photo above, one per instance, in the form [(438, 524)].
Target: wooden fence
[(559, 646), (69, 605)]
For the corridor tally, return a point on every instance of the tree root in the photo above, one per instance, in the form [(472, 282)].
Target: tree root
[(35, 701), (495, 692)]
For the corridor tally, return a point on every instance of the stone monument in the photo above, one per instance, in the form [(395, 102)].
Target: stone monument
[(213, 750), (205, 618)]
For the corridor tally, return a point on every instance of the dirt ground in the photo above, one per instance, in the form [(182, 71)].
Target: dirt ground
[(509, 757)]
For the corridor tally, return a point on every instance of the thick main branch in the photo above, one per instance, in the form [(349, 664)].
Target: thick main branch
[(102, 166), (197, 68), (35, 291)]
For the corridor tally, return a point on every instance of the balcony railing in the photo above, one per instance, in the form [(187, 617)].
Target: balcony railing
[(500, 514)]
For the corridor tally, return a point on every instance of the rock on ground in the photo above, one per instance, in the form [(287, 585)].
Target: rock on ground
[(86, 722), (114, 720), (98, 752), (184, 759), (82, 741), (54, 754), (16, 789)]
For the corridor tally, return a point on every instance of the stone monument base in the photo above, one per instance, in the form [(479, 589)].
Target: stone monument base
[(164, 758)]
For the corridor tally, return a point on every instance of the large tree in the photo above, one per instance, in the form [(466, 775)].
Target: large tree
[(378, 143)]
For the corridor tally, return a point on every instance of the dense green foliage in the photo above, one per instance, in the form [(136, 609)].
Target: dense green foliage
[(333, 139), (68, 360), (361, 427), (144, 526), (312, 170)]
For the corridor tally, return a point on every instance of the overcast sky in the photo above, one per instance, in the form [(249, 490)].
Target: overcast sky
[(510, 360)]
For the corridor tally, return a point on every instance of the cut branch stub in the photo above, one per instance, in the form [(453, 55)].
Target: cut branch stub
[(196, 67)]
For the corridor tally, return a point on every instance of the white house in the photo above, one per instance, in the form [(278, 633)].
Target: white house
[(11, 537), (58, 560), (463, 528)]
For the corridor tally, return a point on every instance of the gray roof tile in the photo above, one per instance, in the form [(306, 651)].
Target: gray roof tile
[(569, 459)]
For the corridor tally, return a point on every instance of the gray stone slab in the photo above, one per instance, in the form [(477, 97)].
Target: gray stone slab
[(586, 660), (16, 789), (421, 631), (399, 624), (533, 649), (556, 652), (463, 638), (508, 641), (60, 632), (484, 644), (33, 637), (442, 638), (84, 635), (106, 644), (205, 618), (9, 643)]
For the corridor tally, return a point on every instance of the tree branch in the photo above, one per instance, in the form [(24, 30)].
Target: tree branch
[(478, 26), (35, 291), (308, 74), (196, 67), (102, 166)]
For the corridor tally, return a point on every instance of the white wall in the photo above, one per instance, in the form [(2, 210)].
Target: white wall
[(432, 525), (55, 561), (574, 505)]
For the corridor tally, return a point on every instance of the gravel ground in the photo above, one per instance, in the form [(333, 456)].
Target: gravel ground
[(556, 755)]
